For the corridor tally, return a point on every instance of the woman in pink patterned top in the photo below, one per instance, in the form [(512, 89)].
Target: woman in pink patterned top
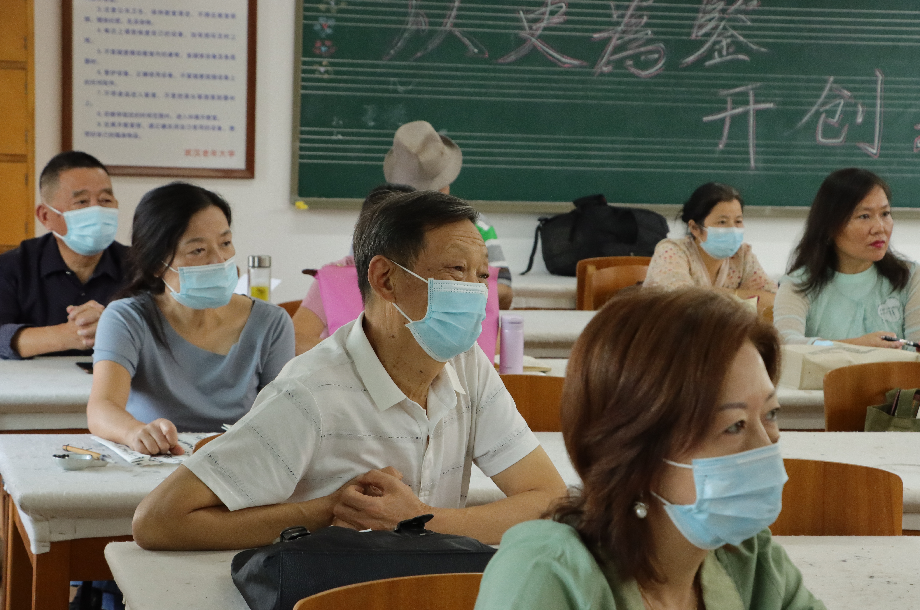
[(712, 254)]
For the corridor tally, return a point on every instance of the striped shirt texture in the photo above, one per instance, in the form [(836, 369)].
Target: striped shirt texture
[(334, 413)]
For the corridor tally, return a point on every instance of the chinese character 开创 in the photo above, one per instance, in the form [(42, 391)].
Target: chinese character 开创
[(418, 22), (713, 22), (751, 110), (634, 35), (831, 105), (534, 22)]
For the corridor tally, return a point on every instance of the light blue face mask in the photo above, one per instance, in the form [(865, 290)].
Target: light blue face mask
[(205, 286), (454, 318), (89, 230), (737, 496), (722, 242)]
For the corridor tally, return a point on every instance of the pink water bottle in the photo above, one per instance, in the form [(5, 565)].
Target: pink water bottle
[(512, 345)]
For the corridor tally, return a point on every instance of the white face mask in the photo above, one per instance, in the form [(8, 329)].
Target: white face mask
[(722, 242), (89, 230), (205, 286), (737, 496), (454, 318)]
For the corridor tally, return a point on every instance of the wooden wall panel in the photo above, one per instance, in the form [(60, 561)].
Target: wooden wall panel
[(17, 119), (14, 16), (14, 108), (15, 217)]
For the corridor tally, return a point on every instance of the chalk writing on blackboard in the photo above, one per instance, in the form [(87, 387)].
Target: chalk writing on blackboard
[(631, 33), (584, 92), (418, 22), (629, 40), (750, 109), (534, 22), (714, 23), (835, 99)]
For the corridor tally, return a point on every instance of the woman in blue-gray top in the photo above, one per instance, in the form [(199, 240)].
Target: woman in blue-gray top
[(845, 283), (182, 353)]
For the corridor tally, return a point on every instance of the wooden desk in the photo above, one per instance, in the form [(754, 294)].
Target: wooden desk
[(543, 291), (896, 452), (551, 333), (57, 523), (44, 394), (801, 409), (844, 572)]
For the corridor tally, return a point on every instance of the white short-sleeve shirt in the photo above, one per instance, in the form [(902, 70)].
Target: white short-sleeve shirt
[(334, 413)]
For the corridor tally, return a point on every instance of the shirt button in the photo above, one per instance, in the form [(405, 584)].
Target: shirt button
[(82, 294)]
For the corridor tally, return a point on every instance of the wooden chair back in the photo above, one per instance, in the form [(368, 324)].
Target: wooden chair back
[(849, 390), (833, 499), (429, 592), (290, 306), (594, 289), (602, 284), (538, 398)]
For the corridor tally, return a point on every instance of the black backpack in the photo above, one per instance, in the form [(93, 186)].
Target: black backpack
[(593, 229)]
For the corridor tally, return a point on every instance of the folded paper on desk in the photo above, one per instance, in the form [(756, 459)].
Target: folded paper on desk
[(187, 441), (804, 366)]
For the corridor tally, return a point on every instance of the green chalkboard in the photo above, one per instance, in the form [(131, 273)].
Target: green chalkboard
[(640, 100)]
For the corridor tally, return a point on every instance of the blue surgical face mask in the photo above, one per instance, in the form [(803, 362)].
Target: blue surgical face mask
[(89, 230), (205, 286), (737, 496), (454, 318), (722, 242)]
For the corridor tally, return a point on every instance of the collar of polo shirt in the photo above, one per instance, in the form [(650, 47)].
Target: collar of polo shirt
[(383, 391)]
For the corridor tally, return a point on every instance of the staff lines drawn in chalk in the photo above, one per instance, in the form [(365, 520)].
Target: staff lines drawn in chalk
[(472, 139), (472, 84), (636, 156), (442, 71), (709, 167), (662, 10)]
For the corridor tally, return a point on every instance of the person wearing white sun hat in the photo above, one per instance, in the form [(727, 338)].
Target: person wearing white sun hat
[(424, 159)]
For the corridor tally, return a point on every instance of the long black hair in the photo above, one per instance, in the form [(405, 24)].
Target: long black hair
[(160, 220), (830, 211)]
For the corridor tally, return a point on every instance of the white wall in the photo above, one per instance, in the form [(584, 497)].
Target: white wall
[(264, 220)]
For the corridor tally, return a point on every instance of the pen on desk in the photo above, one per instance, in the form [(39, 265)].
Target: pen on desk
[(72, 449), (904, 341)]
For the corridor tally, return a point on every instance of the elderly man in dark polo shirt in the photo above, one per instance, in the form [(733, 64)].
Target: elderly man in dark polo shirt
[(53, 288)]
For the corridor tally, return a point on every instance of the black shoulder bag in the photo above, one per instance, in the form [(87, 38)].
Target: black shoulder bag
[(302, 564), (593, 229)]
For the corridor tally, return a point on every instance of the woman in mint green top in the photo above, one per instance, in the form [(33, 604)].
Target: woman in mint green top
[(845, 283), (678, 485)]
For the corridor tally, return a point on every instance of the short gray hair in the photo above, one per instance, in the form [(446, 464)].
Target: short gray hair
[(396, 228)]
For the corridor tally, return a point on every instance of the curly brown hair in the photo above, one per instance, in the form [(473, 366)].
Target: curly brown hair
[(642, 385)]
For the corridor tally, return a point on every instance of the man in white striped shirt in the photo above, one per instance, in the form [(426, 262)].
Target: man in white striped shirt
[(382, 421)]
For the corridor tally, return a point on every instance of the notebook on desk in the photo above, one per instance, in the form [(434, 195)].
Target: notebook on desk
[(187, 441)]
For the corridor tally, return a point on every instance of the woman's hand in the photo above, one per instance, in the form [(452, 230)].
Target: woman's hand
[(875, 340), (159, 436)]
